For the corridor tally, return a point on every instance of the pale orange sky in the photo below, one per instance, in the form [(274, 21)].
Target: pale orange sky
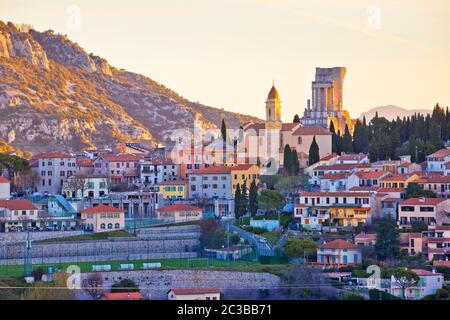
[(226, 53)]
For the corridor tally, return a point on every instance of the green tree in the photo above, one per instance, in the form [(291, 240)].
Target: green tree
[(287, 160), (387, 245), (253, 199), (270, 200), (244, 199), (238, 202), (360, 137), (347, 141), (334, 139), (404, 279), (300, 248), (125, 285), (296, 119), (414, 190), (291, 185), (295, 164), (314, 156), (270, 180)]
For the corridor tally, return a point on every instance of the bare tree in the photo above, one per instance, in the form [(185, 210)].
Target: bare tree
[(93, 285), (77, 183), (26, 181)]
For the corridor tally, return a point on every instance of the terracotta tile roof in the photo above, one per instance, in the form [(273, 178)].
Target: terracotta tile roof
[(365, 188), (242, 167), (434, 179), (189, 291), (329, 157), (214, 170), (397, 177), (440, 154), (338, 244), (123, 296), (422, 201), (337, 167), (361, 236), (52, 155), (289, 126), (336, 194), (336, 176), (179, 207), (352, 156), (172, 183), (387, 190), (254, 126), (102, 209), (442, 228), (311, 130), (371, 174), (121, 157), (425, 273), (84, 162), (4, 180), (17, 205)]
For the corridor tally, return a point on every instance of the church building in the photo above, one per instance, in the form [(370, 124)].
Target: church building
[(266, 141)]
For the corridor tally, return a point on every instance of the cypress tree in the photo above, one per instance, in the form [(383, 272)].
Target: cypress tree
[(287, 160), (314, 152), (253, 199), (244, 198), (295, 163), (347, 140), (237, 202), (296, 119), (334, 139), (360, 138)]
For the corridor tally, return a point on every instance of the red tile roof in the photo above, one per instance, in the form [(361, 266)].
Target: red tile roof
[(311, 130), (361, 236), (124, 296), (338, 244), (371, 174), (84, 162), (337, 167), (425, 273), (4, 180), (387, 190), (17, 205), (440, 153), (172, 183), (329, 157), (102, 209), (336, 176), (121, 157), (434, 179), (51, 155), (352, 156), (214, 170), (289, 126), (422, 201), (189, 291), (179, 207), (336, 194)]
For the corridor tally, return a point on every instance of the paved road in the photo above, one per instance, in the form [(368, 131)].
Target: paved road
[(261, 244)]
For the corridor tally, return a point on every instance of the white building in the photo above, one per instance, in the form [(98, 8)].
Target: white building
[(193, 294), (157, 171), (53, 168), (429, 282), (436, 161), (5, 188), (17, 213), (86, 186), (211, 182), (338, 253), (311, 218)]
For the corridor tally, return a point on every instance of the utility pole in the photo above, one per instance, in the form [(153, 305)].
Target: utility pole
[(228, 243), (27, 259)]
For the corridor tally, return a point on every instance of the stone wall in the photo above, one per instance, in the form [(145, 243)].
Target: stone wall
[(156, 283)]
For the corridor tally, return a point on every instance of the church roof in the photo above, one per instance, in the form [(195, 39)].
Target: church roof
[(311, 130), (273, 94)]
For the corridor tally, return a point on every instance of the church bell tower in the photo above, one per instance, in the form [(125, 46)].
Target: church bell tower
[(273, 109)]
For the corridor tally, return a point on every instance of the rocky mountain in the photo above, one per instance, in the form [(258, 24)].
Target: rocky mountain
[(391, 112), (56, 96)]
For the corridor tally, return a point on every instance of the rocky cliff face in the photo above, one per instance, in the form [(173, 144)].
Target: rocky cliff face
[(55, 96)]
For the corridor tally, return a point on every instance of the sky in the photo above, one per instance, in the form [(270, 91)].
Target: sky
[(227, 53)]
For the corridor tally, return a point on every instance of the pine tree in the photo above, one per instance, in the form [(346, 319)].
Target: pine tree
[(296, 119), (253, 199), (347, 141), (314, 152)]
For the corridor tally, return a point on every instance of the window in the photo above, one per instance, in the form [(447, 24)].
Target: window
[(110, 226), (299, 141), (102, 226), (117, 226)]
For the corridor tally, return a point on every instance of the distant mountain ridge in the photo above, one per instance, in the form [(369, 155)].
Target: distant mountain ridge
[(56, 96), (391, 112)]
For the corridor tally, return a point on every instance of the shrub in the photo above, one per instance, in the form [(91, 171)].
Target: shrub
[(37, 274), (375, 294), (125, 285), (442, 294)]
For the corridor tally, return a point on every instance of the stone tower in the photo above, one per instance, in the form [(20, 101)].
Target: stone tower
[(273, 110)]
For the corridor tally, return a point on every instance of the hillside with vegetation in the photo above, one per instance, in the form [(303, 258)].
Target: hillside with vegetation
[(56, 96)]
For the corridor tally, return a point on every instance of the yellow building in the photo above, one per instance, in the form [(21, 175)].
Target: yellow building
[(244, 173), (173, 189), (350, 216), (398, 180)]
